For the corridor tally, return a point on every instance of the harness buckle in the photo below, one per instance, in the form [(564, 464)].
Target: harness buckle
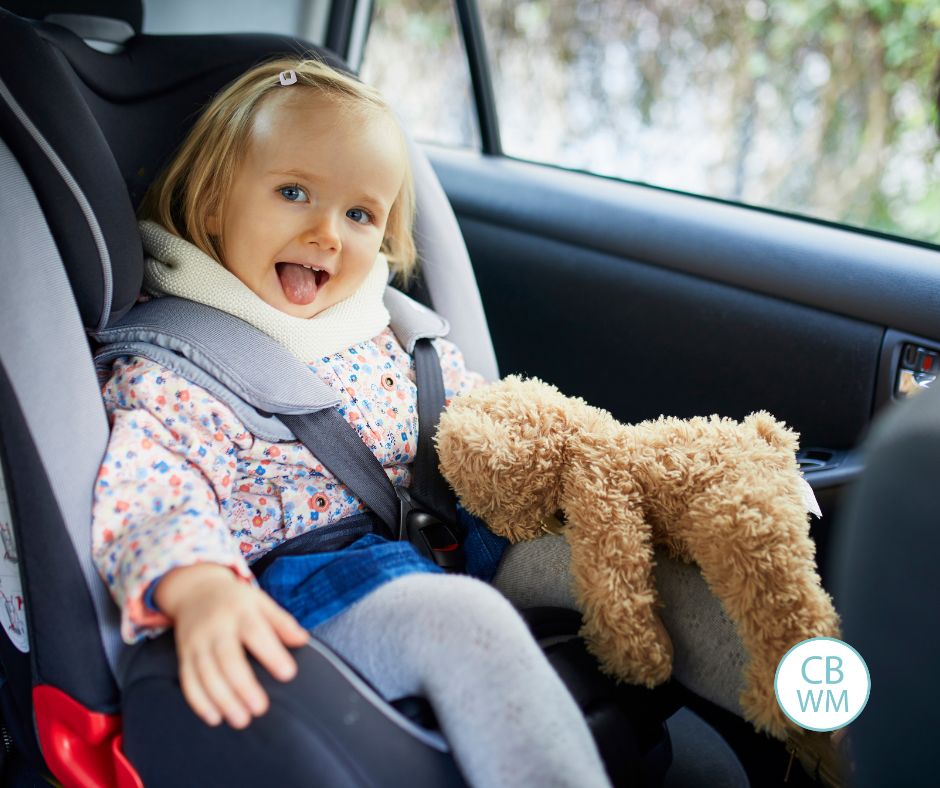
[(430, 535)]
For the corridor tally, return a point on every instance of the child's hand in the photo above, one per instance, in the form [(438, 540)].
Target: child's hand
[(217, 617)]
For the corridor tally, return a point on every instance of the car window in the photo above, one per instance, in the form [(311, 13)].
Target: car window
[(416, 58), (812, 107)]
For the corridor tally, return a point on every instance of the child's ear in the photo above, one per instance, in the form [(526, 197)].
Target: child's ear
[(212, 224)]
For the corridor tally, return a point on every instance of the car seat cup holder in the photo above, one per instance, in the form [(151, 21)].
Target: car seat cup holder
[(430, 535)]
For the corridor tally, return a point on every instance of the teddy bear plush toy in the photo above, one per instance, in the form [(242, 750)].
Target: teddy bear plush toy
[(727, 495)]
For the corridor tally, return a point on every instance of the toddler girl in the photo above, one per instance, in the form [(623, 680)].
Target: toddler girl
[(285, 207)]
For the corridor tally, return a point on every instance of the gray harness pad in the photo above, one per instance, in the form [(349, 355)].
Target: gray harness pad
[(252, 373)]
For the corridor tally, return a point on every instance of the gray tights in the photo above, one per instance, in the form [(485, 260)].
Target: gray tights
[(509, 719), (497, 699)]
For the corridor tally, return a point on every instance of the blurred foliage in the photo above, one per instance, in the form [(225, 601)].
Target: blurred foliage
[(820, 107), (414, 55)]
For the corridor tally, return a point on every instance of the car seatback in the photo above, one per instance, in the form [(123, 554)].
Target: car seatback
[(82, 134)]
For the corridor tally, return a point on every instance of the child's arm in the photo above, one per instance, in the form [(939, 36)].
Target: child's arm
[(170, 462), (217, 618), (157, 521)]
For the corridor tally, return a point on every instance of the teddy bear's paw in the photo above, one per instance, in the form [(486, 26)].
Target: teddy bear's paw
[(761, 709), (516, 529), (642, 656), (649, 669)]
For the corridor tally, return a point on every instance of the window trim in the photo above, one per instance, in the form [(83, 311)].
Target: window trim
[(471, 28), (883, 280), (347, 30)]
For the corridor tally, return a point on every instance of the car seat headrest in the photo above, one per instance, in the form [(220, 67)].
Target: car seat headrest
[(55, 137), (102, 20)]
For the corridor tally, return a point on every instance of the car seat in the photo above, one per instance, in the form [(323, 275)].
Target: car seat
[(83, 133), (884, 581)]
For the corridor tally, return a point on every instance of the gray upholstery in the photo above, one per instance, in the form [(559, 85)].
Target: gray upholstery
[(447, 271), (49, 363)]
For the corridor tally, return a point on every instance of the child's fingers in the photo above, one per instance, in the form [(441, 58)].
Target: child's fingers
[(195, 695), (220, 693), (285, 625), (230, 656), (262, 640)]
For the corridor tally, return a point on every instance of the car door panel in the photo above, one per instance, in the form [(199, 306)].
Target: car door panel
[(641, 341), (646, 302)]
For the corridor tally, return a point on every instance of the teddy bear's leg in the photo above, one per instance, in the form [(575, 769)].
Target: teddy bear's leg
[(750, 536), (663, 463), (611, 562)]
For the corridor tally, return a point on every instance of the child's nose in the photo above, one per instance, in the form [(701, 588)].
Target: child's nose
[(323, 232)]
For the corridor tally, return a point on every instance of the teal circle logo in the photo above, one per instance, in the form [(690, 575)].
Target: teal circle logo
[(822, 684)]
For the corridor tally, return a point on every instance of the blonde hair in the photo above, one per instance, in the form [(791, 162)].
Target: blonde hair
[(196, 182)]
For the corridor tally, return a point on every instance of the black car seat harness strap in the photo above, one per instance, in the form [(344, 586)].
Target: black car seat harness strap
[(172, 332), (425, 514)]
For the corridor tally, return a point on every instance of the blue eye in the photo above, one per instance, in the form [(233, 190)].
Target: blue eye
[(293, 193), (359, 216)]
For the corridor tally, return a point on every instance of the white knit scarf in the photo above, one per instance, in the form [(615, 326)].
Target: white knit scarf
[(174, 266)]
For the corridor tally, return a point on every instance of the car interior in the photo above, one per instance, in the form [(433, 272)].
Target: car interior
[(668, 304)]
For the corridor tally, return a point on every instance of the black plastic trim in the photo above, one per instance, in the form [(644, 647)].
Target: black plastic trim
[(471, 25), (340, 25), (843, 467)]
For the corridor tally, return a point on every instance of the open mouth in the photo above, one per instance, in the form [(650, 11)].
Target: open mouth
[(301, 282)]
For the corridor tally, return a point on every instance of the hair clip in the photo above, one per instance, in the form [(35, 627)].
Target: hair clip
[(287, 77)]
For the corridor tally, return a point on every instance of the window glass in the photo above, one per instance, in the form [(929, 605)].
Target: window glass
[(303, 18), (415, 57), (819, 107)]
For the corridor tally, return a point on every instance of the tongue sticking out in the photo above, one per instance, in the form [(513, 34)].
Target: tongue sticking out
[(299, 283)]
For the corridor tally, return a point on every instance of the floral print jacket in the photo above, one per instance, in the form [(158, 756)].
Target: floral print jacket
[(184, 482)]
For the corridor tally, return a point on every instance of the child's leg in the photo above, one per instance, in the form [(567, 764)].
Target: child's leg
[(708, 656), (453, 639)]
